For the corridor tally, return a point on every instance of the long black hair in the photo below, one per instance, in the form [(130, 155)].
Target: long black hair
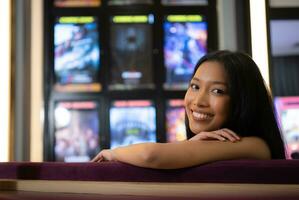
[(252, 112)]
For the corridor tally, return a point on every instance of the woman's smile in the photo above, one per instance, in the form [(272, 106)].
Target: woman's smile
[(199, 116)]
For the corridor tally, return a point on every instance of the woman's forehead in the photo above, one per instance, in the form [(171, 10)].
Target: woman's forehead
[(211, 71)]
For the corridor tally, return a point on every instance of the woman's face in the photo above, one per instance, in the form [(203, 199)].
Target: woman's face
[(207, 101)]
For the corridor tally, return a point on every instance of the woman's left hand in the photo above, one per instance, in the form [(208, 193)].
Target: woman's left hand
[(104, 155)]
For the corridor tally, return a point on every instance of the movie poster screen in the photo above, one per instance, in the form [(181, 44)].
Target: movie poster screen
[(185, 42), (77, 54), (77, 3), (76, 131), (129, 2), (131, 122), (175, 120), (131, 52), (287, 109), (184, 2)]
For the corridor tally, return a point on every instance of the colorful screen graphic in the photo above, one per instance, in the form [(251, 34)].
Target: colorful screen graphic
[(77, 3), (131, 52), (76, 131), (175, 120), (129, 2), (77, 54), (288, 117), (132, 122), (185, 42), (184, 2)]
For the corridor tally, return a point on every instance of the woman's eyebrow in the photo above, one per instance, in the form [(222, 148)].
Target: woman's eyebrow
[(213, 82), (219, 82)]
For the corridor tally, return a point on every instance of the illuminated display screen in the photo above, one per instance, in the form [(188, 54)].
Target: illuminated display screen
[(131, 122), (76, 131), (129, 2), (175, 120), (287, 109), (288, 44), (131, 52), (77, 3), (77, 54), (184, 2), (185, 42)]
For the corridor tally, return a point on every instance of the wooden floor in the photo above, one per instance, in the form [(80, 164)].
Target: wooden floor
[(41, 189)]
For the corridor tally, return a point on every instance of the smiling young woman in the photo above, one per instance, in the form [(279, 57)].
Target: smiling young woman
[(229, 115)]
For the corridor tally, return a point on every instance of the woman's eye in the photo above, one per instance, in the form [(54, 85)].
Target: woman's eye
[(194, 86), (218, 91)]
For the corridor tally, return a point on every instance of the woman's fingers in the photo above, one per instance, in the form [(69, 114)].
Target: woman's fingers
[(222, 135), (95, 159), (98, 158), (232, 133), (228, 134), (105, 155), (218, 135), (210, 135), (197, 137)]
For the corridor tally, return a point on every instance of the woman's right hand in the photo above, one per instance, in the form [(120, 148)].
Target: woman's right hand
[(104, 155), (221, 134)]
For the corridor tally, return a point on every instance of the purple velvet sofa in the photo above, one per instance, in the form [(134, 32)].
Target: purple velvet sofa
[(240, 171), (277, 179)]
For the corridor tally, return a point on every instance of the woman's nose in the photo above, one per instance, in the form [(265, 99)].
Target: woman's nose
[(201, 99)]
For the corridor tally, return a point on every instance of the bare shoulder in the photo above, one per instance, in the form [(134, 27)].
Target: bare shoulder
[(256, 146)]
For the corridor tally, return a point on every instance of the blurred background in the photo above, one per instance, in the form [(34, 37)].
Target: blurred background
[(79, 76)]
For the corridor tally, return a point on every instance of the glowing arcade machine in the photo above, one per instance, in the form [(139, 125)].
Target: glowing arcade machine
[(287, 109), (131, 59), (77, 54), (131, 122), (185, 42), (175, 120), (76, 131), (77, 3)]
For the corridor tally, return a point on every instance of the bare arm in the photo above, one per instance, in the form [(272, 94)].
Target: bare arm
[(189, 153)]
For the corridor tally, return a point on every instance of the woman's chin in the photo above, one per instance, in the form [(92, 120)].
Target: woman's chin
[(197, 131)]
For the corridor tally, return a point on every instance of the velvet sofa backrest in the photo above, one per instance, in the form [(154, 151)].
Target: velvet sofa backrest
[(236, 171)]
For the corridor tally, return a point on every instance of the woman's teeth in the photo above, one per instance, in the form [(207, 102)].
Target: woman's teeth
[(201, 116)]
